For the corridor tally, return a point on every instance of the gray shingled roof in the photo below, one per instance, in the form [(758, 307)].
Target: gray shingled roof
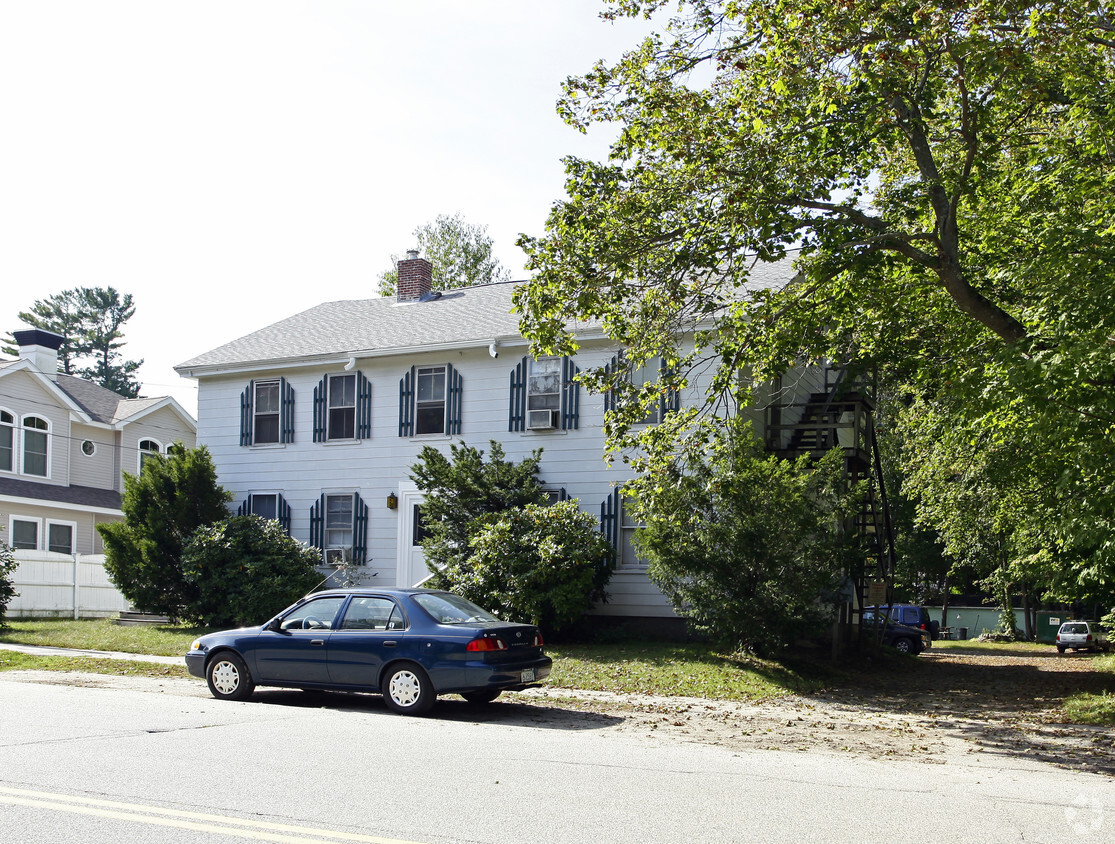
[(362, 326), (83, 496)]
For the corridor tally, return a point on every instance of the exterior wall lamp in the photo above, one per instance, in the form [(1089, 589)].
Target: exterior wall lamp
[(392, 501)]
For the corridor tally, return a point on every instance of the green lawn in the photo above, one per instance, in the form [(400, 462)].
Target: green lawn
[(645, 667), (101, 634)]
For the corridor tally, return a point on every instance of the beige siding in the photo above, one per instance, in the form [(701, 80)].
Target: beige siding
[(98, 469), (22, 394)]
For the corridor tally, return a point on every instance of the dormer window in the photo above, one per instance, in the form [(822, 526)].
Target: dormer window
[(147, 450)]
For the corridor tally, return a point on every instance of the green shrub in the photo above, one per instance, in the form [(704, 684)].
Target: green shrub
[(743, 543), (244, 570), (8, 566), (542, 564), (163, 505)]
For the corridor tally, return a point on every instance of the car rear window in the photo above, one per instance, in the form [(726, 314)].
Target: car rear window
[(1074, 628), (446, 608)]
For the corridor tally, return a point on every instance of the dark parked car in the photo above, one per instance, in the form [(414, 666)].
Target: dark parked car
[(902, 637), (912, 616), (410, 645)]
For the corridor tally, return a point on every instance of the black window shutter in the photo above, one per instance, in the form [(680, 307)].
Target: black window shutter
[(317, 523), (517, 402), (570, 395), (246, 399), (610, 371), (363, 407), (453, 411), (284, 514), (319, 409), (406, 404), (243, 510), (359, 530), (609, 518), (287, 393)]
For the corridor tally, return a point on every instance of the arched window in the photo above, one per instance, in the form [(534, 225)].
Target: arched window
[(36, 446), (7, 441), (147, 450)]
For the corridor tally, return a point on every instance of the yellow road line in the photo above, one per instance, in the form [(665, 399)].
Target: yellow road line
[(196, 821)]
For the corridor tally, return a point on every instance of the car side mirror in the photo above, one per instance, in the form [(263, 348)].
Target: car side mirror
[(276, 624)]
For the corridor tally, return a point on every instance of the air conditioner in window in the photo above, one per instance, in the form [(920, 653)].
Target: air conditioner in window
[(541, 420)]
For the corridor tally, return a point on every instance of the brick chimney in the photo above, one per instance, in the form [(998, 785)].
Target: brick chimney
[(416, 278), (40, 347)]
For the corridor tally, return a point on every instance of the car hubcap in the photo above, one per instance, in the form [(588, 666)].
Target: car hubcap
[(225, 677), (405, 688)]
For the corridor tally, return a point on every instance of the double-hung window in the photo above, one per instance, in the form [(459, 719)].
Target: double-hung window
[(60, 537), (339, 527), (544, 395), (342, 407), (543, 392), (24, 533), (429, 402), (266, 408), (7, 441), (36, 444)]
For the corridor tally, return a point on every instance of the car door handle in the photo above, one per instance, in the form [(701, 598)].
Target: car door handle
[(317, 642), (390, 643)]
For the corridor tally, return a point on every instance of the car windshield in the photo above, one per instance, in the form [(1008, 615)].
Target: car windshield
[(451, 609)]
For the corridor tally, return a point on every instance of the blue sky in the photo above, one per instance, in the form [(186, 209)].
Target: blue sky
[(231, 163)]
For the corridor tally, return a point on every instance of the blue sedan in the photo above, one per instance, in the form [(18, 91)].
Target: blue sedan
[(410, 645)]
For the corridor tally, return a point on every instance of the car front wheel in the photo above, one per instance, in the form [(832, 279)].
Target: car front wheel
[(904, 646), (407, 690), (228, 677)]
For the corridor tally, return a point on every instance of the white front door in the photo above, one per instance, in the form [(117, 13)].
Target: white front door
[(410, 562)]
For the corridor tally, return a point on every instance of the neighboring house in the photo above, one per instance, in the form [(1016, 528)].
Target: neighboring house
[(65, 444), (317, 420)]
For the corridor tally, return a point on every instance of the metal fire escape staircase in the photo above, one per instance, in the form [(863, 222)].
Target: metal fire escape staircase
[(843, 415)]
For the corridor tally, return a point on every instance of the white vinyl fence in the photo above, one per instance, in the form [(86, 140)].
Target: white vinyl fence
[(63, 585)]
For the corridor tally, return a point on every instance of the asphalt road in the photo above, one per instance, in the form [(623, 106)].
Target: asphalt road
[(160, 763)]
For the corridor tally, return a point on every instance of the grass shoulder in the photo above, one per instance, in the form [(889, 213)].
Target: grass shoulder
[(102, 634)]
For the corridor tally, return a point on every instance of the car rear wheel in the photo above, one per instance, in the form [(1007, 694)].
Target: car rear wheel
[(1060, 650), (484, 696), (228, 677), (407, 690)]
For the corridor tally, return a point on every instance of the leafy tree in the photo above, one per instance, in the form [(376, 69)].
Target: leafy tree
[(245, 569), (744, 544), (91, 320), (545, 564), (8, 566), (460, 252), (461, 492), (171, 498), (944, 171)]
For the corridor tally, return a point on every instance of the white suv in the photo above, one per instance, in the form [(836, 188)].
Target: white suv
[(1082, 636)]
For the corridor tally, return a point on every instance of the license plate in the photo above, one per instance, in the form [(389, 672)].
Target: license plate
[(528, 675)]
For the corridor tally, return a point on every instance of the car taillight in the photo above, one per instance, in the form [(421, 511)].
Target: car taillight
[(1089, 638), (537, 642), (486, 643)]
